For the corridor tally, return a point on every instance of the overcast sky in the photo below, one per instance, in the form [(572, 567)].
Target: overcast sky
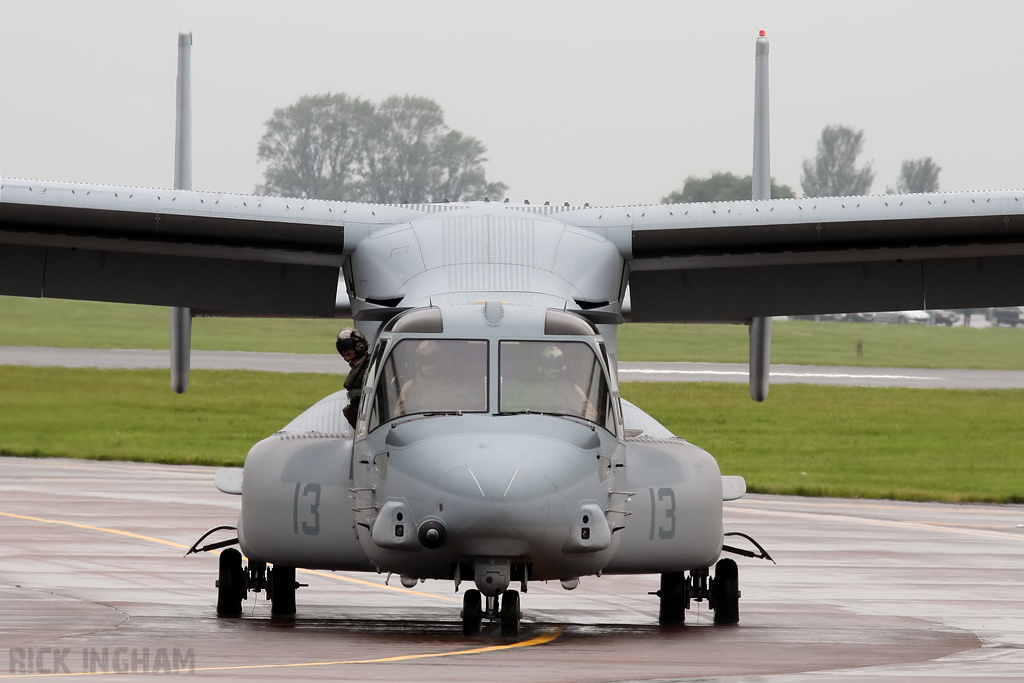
[(592, 101)]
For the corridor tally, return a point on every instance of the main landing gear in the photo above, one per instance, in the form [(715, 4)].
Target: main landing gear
[(509, 613), (234, 583), (722, 593)]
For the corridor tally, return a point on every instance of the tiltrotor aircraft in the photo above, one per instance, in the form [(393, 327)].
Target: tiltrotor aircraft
[(492, 447)]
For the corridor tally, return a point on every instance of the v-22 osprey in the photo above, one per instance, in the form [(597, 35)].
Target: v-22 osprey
[(491, 447)]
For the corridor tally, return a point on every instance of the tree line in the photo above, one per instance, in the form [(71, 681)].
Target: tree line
[(400, 151), (833, 172)]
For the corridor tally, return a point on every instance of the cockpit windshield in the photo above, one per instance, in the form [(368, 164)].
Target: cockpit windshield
[(431, 376), (562, 377)]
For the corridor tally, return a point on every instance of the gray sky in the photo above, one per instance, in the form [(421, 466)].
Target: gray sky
[(591, 101)]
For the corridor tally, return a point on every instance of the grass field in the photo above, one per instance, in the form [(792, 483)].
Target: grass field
[(133, 414), (83, 324), (910, 444)]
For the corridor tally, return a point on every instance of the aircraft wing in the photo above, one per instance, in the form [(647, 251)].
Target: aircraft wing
[(211, 252), (738, 260)]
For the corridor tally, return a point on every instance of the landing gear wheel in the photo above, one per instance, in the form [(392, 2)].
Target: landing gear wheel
[(510, 613), (674, 595), (230, 584), (471, 613), (282, 591), (726, 592)]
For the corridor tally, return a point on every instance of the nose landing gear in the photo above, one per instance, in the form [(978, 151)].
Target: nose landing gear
[(509, 612)]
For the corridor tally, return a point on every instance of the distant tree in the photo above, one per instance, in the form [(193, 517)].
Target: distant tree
[(314, 148), (918, 175), (397, 151), (721, 187), (400, 144), (833, 172)]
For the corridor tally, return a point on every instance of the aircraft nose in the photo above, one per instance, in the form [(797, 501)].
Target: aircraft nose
[(496, 482)]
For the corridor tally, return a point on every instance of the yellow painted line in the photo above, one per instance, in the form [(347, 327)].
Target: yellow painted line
[(117, 532), (172, 544), (928, 526), (539, 640)]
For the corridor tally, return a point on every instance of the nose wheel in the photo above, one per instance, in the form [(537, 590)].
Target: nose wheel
[(472, 614), (509, 613)]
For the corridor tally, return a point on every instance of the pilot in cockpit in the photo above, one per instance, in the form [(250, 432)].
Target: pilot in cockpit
[(420, 393), (560, 394)]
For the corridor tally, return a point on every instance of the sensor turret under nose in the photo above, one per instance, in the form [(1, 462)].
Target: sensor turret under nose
[(432, 534)]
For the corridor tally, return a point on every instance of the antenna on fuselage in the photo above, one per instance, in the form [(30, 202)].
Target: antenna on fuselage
[(761, 188), (181, 318)]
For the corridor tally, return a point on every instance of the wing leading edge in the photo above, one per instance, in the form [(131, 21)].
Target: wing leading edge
[(211, 252), (738, 260)]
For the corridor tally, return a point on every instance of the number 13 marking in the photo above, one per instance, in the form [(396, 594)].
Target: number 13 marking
[(314, 508), (670, 513)]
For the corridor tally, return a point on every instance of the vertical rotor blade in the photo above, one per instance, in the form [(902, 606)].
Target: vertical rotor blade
[(761, 328), (181, 318)]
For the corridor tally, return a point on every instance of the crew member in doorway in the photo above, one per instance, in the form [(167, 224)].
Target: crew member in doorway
[(352, 346)]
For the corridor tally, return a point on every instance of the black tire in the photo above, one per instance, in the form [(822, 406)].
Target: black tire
[(230, 584), (510, 613), (471, 613), (726, 592), (673, 598), (282, 591)]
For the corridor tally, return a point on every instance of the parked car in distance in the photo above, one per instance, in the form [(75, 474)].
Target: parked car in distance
[(946, 318), (859, 317), (1004, 316), (903, 317)]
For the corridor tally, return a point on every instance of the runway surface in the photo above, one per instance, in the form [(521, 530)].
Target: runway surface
[(866, 590), (628, 372)]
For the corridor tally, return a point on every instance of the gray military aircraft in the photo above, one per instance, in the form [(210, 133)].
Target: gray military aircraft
[(492, 446)]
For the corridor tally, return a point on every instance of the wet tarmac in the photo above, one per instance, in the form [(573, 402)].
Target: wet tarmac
[(41, 356), (92, 575)]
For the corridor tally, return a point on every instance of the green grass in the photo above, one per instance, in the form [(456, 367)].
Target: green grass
[(910, 444), (133, 414), (906, 444), (97, 325), (799, 342), (84, 324)]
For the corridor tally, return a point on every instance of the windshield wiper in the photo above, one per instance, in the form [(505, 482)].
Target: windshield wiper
[(422, 416), (565, 416)]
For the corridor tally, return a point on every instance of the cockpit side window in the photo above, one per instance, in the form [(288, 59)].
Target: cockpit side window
[(431, 376), (561, 377)]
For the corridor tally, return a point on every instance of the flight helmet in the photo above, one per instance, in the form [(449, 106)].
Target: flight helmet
[(351, 339)]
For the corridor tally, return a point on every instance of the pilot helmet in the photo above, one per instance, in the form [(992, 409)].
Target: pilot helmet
[(350, 339), (427, 352), (552, 358)]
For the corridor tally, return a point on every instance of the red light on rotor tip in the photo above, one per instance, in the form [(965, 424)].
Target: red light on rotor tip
[(761, 34)]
